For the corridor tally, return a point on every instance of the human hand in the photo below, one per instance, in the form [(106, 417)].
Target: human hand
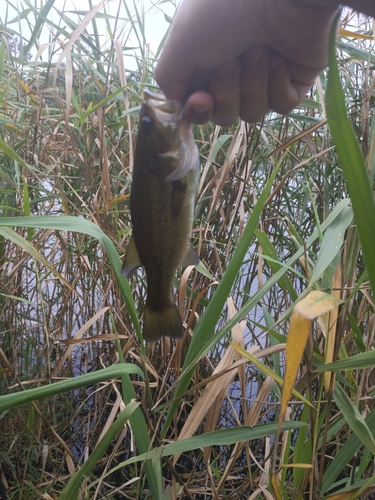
[(229, 58)]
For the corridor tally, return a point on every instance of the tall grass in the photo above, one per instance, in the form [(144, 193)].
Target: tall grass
[(87, 410)]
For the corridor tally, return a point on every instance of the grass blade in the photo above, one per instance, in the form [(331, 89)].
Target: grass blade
[(356, 362), (351, 161), (354, 418), (9, 401)]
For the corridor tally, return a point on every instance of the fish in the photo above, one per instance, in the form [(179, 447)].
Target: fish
[(162, 206)]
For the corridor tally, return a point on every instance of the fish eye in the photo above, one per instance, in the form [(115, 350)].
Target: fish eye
[(147, 124)]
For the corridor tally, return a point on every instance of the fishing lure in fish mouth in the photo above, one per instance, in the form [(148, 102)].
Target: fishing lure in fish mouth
[(162, 202)]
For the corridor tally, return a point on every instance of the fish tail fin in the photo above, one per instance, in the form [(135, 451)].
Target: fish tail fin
[(165, 322)]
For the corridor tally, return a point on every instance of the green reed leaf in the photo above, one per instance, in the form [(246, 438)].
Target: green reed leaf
[(352, 163), (9, 401)]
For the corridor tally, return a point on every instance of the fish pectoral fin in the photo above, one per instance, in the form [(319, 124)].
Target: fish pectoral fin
[(131, 260), (191, 257)]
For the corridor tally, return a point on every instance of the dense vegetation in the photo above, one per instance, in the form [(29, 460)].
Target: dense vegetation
[(81, 399)]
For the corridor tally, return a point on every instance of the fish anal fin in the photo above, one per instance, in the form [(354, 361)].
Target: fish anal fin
[(131, 260), (191, 257), (165, 322)]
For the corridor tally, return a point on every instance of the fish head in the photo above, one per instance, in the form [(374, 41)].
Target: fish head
[(167, 138)]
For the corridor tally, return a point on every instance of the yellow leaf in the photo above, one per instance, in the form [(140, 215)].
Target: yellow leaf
[(276, 487), (100, 86), (317, 303), (113, 201), (351, 494), (351, 34), (297, 337), (27, 90), (313, 305)]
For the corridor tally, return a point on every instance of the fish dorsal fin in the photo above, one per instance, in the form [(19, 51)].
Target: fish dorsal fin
[(131, 260), (191, 257)]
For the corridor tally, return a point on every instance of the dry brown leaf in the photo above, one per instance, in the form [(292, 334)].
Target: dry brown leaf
[(252, 419), (257, 406), (111, 417), (70, 464), (182, 290), (68, 87), (121, 69), (265, 476), (210, 401), (261, 490), (76, 33), (232, 152), (104, 336), (208, 164), (78, 335)]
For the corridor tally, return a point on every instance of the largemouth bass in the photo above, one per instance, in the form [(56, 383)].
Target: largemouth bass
[(162, 200)]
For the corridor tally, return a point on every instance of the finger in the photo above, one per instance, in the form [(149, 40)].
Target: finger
[(285, 92), (199, 107), (254, 84), (225, 91), (172, 89)]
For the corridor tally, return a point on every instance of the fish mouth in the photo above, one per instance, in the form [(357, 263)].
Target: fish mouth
[(169, 114), (166, 110)]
